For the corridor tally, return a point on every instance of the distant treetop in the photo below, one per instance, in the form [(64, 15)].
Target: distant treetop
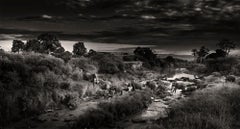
[(79, 49)]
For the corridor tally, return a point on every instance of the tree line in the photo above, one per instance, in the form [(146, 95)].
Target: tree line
[(49, 44), (225, 46)]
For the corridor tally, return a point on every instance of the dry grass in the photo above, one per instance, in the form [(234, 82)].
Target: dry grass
[(213, 108), (32, 83), (117, 109)]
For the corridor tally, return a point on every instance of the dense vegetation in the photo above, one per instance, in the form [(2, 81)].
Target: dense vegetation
[(32, 83), (213, 108), (115, 110), (40, 75), (207, 62)]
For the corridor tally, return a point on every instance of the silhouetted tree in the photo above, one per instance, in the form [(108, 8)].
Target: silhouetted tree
[(17, 46), (146, 55), (195, 53), (66, 56), (218, 54), (79, 49), (221, 53), (170, 59), (1, 50), (32, 45), (49, 43), (203, 51), (108, 63), (59, 50), (170, 62), (92, 52), (200, 54), (227, 45)]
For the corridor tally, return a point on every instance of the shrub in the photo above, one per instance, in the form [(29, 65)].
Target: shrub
[(109, 112), (236, 69), (70, 100), (161, 91), (222, 65), (84, 64), (77, 74), (214, 108), (108, 63), (32, 83), (93, 118), (101, 94), (198, 68)]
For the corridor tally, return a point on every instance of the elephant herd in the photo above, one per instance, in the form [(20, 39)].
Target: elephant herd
[(184, 84)]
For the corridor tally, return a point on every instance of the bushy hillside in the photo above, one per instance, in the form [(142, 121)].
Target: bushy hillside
[(33, 83), (212, 108)]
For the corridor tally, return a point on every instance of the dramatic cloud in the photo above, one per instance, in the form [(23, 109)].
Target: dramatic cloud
[(168, 24)]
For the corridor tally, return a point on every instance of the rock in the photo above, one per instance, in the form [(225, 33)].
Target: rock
[(190, 89), (157, 100), (182, 70), (152, 98), (182, 75)]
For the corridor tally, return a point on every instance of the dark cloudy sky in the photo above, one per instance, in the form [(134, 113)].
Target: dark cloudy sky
[(170, 25)]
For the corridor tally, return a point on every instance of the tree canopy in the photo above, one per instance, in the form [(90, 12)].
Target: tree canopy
[(48, 43), (227, 45), (200, 54), (32, 45), (17, 46), (144, 53), (79, 49)]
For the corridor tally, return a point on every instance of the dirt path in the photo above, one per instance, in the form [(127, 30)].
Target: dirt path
[(158, 109), (59, 119)]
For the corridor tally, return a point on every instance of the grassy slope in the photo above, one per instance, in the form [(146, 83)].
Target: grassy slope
[(212, 108)]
